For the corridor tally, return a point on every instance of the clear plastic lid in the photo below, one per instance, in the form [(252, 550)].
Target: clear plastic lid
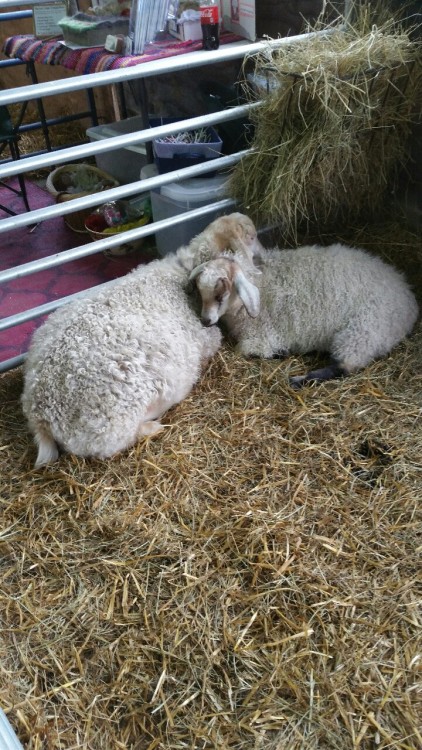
[(196, 190)]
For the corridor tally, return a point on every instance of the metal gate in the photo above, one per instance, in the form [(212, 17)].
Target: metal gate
[(38, 92)]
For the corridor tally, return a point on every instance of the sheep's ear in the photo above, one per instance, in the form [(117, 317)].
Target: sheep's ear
[(248, 293), (257, 261), (194, 275), (196, 271), (253, 257)]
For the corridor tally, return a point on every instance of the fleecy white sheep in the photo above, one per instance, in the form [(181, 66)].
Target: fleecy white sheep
[(334, 299), (103, 369)]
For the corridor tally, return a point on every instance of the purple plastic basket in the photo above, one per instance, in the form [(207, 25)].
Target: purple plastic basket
[(209, 150)]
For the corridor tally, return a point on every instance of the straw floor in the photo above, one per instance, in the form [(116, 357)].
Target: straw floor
[(246, 579)]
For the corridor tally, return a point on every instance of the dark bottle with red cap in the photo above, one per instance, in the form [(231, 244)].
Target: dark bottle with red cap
[(210, 25)]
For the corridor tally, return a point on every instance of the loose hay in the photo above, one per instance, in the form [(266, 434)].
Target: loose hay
[(333, 126), (247, 579)]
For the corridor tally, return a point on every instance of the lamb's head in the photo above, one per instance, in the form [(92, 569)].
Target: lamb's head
[(224, 287), (234, 233)]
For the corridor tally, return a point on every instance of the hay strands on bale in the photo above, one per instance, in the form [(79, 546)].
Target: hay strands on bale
[(332, 128)]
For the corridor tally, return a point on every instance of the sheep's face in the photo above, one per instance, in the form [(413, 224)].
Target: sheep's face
[(223, 287), (215, 288)]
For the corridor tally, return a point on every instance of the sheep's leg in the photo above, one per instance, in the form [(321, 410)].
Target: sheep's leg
[(324, 373), (150, 428), (255, 348), (47, 448)]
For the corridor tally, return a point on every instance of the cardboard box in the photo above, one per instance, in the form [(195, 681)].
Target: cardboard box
[(252, 20), (185, 31), (239, 17)]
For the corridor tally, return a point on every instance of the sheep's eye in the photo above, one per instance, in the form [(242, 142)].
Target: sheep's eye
[(219, 292)]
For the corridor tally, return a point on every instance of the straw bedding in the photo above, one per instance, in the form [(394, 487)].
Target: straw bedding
[(246, 579)]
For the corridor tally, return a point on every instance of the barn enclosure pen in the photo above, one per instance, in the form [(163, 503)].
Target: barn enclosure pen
[(248, 578)]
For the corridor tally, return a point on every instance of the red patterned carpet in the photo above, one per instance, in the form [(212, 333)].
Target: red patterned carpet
[(23, 245)]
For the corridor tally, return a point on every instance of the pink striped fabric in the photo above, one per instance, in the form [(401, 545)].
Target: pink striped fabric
[(95, 59)]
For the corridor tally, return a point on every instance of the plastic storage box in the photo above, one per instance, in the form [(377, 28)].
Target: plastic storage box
[(84, 30), (169, 156), (124, 164), (177, 198), (209, 150)]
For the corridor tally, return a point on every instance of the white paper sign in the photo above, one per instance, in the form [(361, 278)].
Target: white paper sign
[(46, 18)]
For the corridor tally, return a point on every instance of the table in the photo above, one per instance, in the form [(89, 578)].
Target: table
[(31, 50), (96, 59)]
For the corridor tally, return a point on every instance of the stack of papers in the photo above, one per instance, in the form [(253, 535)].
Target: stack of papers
[(147, 17)]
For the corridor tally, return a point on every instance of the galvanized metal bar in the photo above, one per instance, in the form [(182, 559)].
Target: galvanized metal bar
[(48, 307), (226, 53), (10, 364), (15, 15), (8, 3), (13, 362), (51, 122), (124, 191), (83, 251), (32, 163), (11, 63)]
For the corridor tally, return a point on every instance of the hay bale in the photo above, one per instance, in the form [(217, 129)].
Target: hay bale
[(332, 128), (249, 578)]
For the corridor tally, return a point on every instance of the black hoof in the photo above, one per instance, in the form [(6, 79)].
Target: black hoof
[(317, 376), (281, 354), (297, 382)]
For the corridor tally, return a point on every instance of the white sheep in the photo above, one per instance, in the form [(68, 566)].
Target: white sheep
[(332, 299), (102, 370)]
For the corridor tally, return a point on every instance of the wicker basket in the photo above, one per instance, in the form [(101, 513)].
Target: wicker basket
[(62, 182)]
